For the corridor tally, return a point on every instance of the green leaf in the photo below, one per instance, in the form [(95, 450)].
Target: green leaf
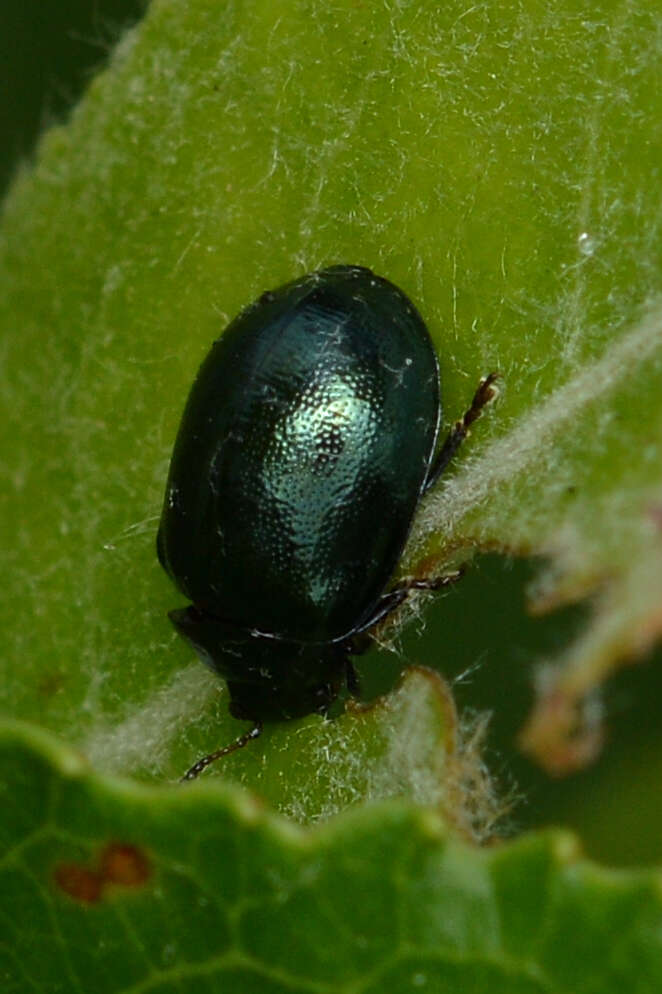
[(499, 162), (110, 886), (219, 155)]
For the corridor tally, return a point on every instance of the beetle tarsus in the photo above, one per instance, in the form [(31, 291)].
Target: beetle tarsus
[(394, 598), (437, 582), (239, 743)]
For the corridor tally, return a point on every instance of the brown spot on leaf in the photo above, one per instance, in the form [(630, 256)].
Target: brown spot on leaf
[(124, 865), (118, 865), (79, 882)]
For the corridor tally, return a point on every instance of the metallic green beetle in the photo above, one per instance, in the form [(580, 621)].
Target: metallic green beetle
[(307, 442)]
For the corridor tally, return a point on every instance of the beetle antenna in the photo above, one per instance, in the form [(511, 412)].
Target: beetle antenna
[(239, 743)]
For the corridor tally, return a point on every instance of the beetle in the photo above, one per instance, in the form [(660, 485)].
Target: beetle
[(307, 441)]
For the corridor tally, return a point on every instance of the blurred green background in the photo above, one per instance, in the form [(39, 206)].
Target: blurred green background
[(48, 51), (479, 634)]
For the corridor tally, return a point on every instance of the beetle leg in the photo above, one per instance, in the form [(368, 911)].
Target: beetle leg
[(484, 394), (394, 598), (239, 743), (352, 678)]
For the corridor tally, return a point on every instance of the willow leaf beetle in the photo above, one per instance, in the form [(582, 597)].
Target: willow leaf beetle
[(307, 441)]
